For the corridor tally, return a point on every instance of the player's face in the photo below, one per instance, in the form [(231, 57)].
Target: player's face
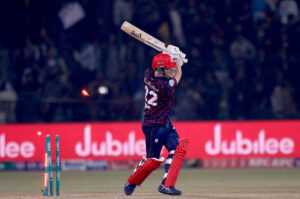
[(169, 73)]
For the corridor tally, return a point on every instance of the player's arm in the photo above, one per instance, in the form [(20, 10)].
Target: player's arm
[(178, 72)]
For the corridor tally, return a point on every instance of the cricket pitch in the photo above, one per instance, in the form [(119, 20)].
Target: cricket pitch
[(194, 183)]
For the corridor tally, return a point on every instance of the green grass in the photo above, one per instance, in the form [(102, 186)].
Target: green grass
[(195, 183)]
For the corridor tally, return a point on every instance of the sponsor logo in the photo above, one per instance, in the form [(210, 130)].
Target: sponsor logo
[(110, 146), (171, 82), (73, 165), (97, 165), (20, 166), (244, 146), (12, 149), (248, 162), (271, 162), (134, 34)]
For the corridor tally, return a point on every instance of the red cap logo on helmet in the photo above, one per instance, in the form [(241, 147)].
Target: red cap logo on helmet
[(162, 60)]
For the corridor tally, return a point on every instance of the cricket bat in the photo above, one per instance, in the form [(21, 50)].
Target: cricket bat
[(143, 36), (150, 40)]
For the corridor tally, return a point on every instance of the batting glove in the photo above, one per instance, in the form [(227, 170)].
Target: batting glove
[(177, 57), (174, 50)]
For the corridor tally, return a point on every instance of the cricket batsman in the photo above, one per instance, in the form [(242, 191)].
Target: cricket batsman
[(160, 82)]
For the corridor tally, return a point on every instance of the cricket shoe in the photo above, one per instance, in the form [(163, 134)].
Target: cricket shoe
[(129, 188), (169, 190)]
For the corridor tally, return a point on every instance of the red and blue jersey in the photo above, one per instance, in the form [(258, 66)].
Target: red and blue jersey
[(159, 98)]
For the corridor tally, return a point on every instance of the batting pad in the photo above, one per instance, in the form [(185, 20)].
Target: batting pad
[(176, 163), (144, 170)]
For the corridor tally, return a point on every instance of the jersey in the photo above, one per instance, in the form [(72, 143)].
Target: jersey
[(159, 98)]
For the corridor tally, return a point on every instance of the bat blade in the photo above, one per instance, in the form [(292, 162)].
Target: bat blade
[(143, 36)]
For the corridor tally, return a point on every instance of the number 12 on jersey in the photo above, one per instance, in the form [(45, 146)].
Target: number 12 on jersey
[(152, 100)]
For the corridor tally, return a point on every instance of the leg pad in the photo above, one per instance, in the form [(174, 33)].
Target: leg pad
[(176, 163), (144, 169)]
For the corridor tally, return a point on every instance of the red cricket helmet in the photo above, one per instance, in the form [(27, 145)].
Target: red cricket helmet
[(162, 60)]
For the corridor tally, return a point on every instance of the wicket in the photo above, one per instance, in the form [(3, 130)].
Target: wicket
[(48, 176)]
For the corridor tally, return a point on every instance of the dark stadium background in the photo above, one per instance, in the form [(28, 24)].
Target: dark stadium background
[(243, 59)]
